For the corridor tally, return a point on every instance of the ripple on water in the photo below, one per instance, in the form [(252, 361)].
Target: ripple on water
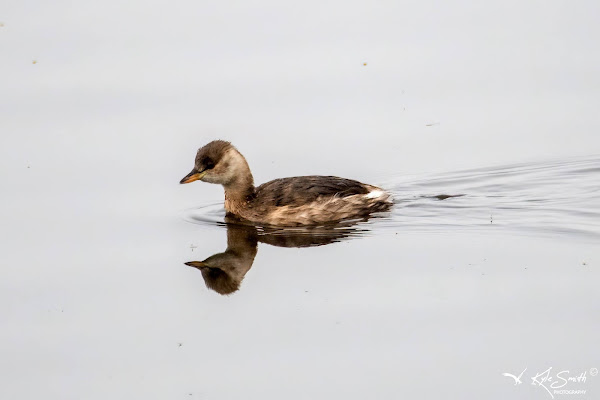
[(558, 198)]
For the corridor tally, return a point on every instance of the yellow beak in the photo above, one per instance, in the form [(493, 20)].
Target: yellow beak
[(193, 176)]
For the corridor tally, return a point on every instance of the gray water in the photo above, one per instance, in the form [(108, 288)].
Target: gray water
[(98, 303), (103, 106)]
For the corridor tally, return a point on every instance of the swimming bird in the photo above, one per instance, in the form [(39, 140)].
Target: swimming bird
[(301, 200)]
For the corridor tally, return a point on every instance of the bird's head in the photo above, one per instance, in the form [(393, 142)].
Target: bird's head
[(218, 162)]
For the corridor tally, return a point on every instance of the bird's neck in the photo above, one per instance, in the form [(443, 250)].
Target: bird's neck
[(239, 194)]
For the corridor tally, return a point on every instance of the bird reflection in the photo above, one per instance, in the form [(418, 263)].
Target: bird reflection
[(224, 272)]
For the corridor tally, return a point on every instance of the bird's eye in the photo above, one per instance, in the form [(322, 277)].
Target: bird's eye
[(209, 164)]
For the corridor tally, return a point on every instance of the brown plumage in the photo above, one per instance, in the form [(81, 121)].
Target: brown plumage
[(302, 200)]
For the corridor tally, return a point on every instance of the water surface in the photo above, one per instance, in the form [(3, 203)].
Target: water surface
[(458, 291)]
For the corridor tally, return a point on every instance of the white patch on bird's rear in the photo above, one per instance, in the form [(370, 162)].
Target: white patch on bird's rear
[(376, 194)]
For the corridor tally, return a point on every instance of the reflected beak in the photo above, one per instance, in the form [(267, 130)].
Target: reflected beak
[(197, 264), (193, 176)]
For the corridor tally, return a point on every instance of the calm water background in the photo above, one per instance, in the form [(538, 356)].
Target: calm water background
[(496, 102)]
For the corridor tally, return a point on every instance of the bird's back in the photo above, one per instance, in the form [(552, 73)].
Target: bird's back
[(301, 190)]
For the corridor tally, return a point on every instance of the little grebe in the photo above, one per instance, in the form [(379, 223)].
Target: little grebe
[(302, 200)]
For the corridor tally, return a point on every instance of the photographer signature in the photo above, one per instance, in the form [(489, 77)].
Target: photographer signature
[(553, 383)]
